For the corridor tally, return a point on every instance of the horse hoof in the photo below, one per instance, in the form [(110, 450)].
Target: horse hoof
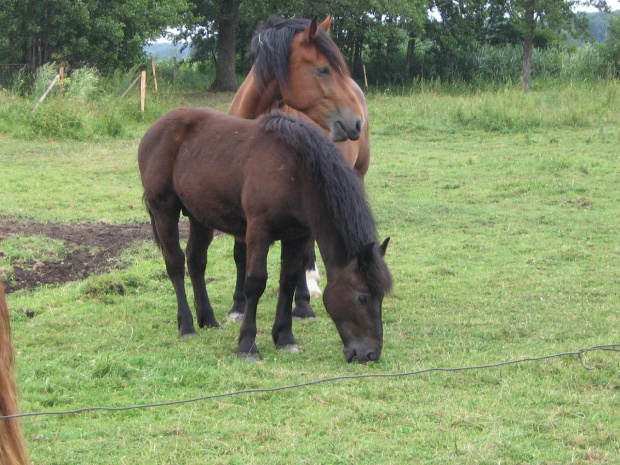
[(251, 357), (235, 317), (303, 312), (209, 324), (290, 348), (188, 335)]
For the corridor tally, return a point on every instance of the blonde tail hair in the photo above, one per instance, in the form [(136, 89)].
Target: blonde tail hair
[(12, 446)]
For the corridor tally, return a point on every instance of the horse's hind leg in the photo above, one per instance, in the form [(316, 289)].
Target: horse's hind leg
[(200, 238), (291, 270), (302, 309), (166, 220)]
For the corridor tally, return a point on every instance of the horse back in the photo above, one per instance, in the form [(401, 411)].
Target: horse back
[(191, 140), (222, 170)]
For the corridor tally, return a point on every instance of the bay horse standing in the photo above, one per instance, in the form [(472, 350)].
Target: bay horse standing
[(275, 178), (300, 69), (12, 447)]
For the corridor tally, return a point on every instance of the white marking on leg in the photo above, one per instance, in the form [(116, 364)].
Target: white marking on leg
[(312, 279)]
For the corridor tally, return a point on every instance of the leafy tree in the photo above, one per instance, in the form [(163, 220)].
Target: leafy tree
[(456, 34), (612, 44), (376, 32), (212, 27), (599, 23), (218, 28), (107, 34), (530, 17)]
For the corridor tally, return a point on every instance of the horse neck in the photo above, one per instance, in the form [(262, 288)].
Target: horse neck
[(251, 101)]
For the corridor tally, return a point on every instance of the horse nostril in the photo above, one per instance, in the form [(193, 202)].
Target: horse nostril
[(358, 125)]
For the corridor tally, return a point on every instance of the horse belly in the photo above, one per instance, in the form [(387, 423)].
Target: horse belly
[(213, 197)]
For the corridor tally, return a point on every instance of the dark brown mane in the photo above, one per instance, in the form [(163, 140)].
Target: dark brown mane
[(343, 192), (271, 48)]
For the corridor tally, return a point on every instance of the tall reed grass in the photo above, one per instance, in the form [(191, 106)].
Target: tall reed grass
[(91, 106), (433, 107), (502, 64)]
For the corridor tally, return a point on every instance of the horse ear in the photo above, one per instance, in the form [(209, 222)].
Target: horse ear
[(383, 246), (327, 23), (313, 30), (365, 255)]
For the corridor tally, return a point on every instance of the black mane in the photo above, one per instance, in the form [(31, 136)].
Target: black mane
[(271, 46), (342, 190)]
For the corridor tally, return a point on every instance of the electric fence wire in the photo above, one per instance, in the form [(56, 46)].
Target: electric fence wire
[(578, 353)]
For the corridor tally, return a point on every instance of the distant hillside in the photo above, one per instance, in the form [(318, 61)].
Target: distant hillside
[(599, 22), (167, 50)]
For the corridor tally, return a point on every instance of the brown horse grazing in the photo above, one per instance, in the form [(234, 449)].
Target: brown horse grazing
[(299, 68), (12, 447), (275, 178)]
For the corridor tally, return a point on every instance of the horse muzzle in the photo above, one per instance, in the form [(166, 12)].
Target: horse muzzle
[(342, 130), (364, 352)]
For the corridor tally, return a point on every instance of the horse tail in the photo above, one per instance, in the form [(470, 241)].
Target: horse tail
[(12, 447), (155, 235)]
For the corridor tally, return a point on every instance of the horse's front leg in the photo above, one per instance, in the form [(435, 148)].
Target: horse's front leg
[(238, 307), (255, 281), (302, 309), (291, 271)]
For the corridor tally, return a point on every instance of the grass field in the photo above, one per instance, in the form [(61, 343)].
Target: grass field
[(503, 211)]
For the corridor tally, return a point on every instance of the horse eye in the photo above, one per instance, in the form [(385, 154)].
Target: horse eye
[(362, 298), (324, 70)]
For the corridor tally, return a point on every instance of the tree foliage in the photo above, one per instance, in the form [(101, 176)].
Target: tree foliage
[(103, 33), (612, 45), (384, 41)]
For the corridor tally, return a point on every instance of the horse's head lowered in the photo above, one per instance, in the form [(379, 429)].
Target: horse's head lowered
[(311, 73), (353, 298)]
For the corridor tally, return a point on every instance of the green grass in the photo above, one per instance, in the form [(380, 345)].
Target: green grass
[(504, 245)]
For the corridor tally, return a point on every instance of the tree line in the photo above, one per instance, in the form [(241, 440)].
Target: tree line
[(384, 41)]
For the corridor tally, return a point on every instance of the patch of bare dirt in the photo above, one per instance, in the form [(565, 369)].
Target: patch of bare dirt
[(104, 243)]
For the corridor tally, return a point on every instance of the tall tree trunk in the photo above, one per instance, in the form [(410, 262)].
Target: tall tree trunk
[(528, 44), (410, 53), (358, 65), (526, 70), (225, 79)]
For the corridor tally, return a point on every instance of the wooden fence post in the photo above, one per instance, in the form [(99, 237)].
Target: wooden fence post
[(61, 84), (142, 90), (45, 93), (131, 85), (154, 74)]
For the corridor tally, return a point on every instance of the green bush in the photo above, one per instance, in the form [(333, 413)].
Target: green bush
[(82, 84), (43, 78)]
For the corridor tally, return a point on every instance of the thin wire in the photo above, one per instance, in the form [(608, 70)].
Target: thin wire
[(579, 353)]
